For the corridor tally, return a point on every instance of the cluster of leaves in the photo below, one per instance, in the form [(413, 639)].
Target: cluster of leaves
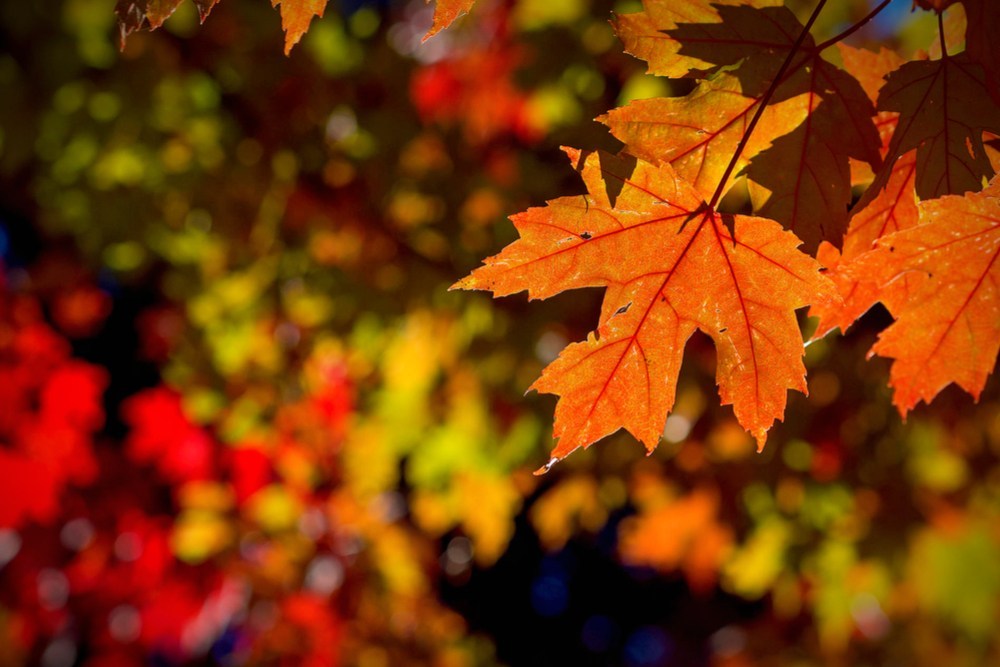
[(175, 544), (768, 105), (273, 516), (296, 15), (858, 534), (52, 408), (336, 438)]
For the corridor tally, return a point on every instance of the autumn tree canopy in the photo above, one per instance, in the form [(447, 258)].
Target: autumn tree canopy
[(254, 411)]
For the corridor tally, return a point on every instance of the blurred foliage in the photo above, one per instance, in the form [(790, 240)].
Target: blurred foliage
[(330, 441)]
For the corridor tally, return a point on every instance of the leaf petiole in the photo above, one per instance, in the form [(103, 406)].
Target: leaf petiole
[(944, 45)]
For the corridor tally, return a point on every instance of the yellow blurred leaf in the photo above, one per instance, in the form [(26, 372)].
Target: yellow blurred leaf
[(274, 509), (198, 535), (571, 504), (756, 564), (956, 573)]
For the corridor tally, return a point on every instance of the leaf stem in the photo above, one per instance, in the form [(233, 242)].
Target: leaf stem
[(944, 45), (763, 105), (853, 29)]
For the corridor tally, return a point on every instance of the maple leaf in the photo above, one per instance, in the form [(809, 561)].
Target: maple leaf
[(798, 166), (135, 15), (943, 111), (296, 15), (697, 37), (699, 132), (949, 329), (445, 13), (888, 206), (671, 267)]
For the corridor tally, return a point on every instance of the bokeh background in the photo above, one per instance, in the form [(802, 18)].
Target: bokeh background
[(243, 420)]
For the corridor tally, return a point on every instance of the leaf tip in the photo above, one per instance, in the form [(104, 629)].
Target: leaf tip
[(434, 29), (547, 467), (760, 435), (446, 12), (467, 283), (823, 329), (204, 8), (573, 154)]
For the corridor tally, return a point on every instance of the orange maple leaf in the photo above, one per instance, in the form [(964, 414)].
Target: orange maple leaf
[(693, 38), (699, 132), (296, 15), (670, 266), (798, 161), (948, 330), (890, 204)]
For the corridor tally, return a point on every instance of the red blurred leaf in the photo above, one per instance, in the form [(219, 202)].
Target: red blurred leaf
[(475, 88), (162, 435), (29, 491)]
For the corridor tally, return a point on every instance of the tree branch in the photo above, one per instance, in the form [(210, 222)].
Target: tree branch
[(796, 47)]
